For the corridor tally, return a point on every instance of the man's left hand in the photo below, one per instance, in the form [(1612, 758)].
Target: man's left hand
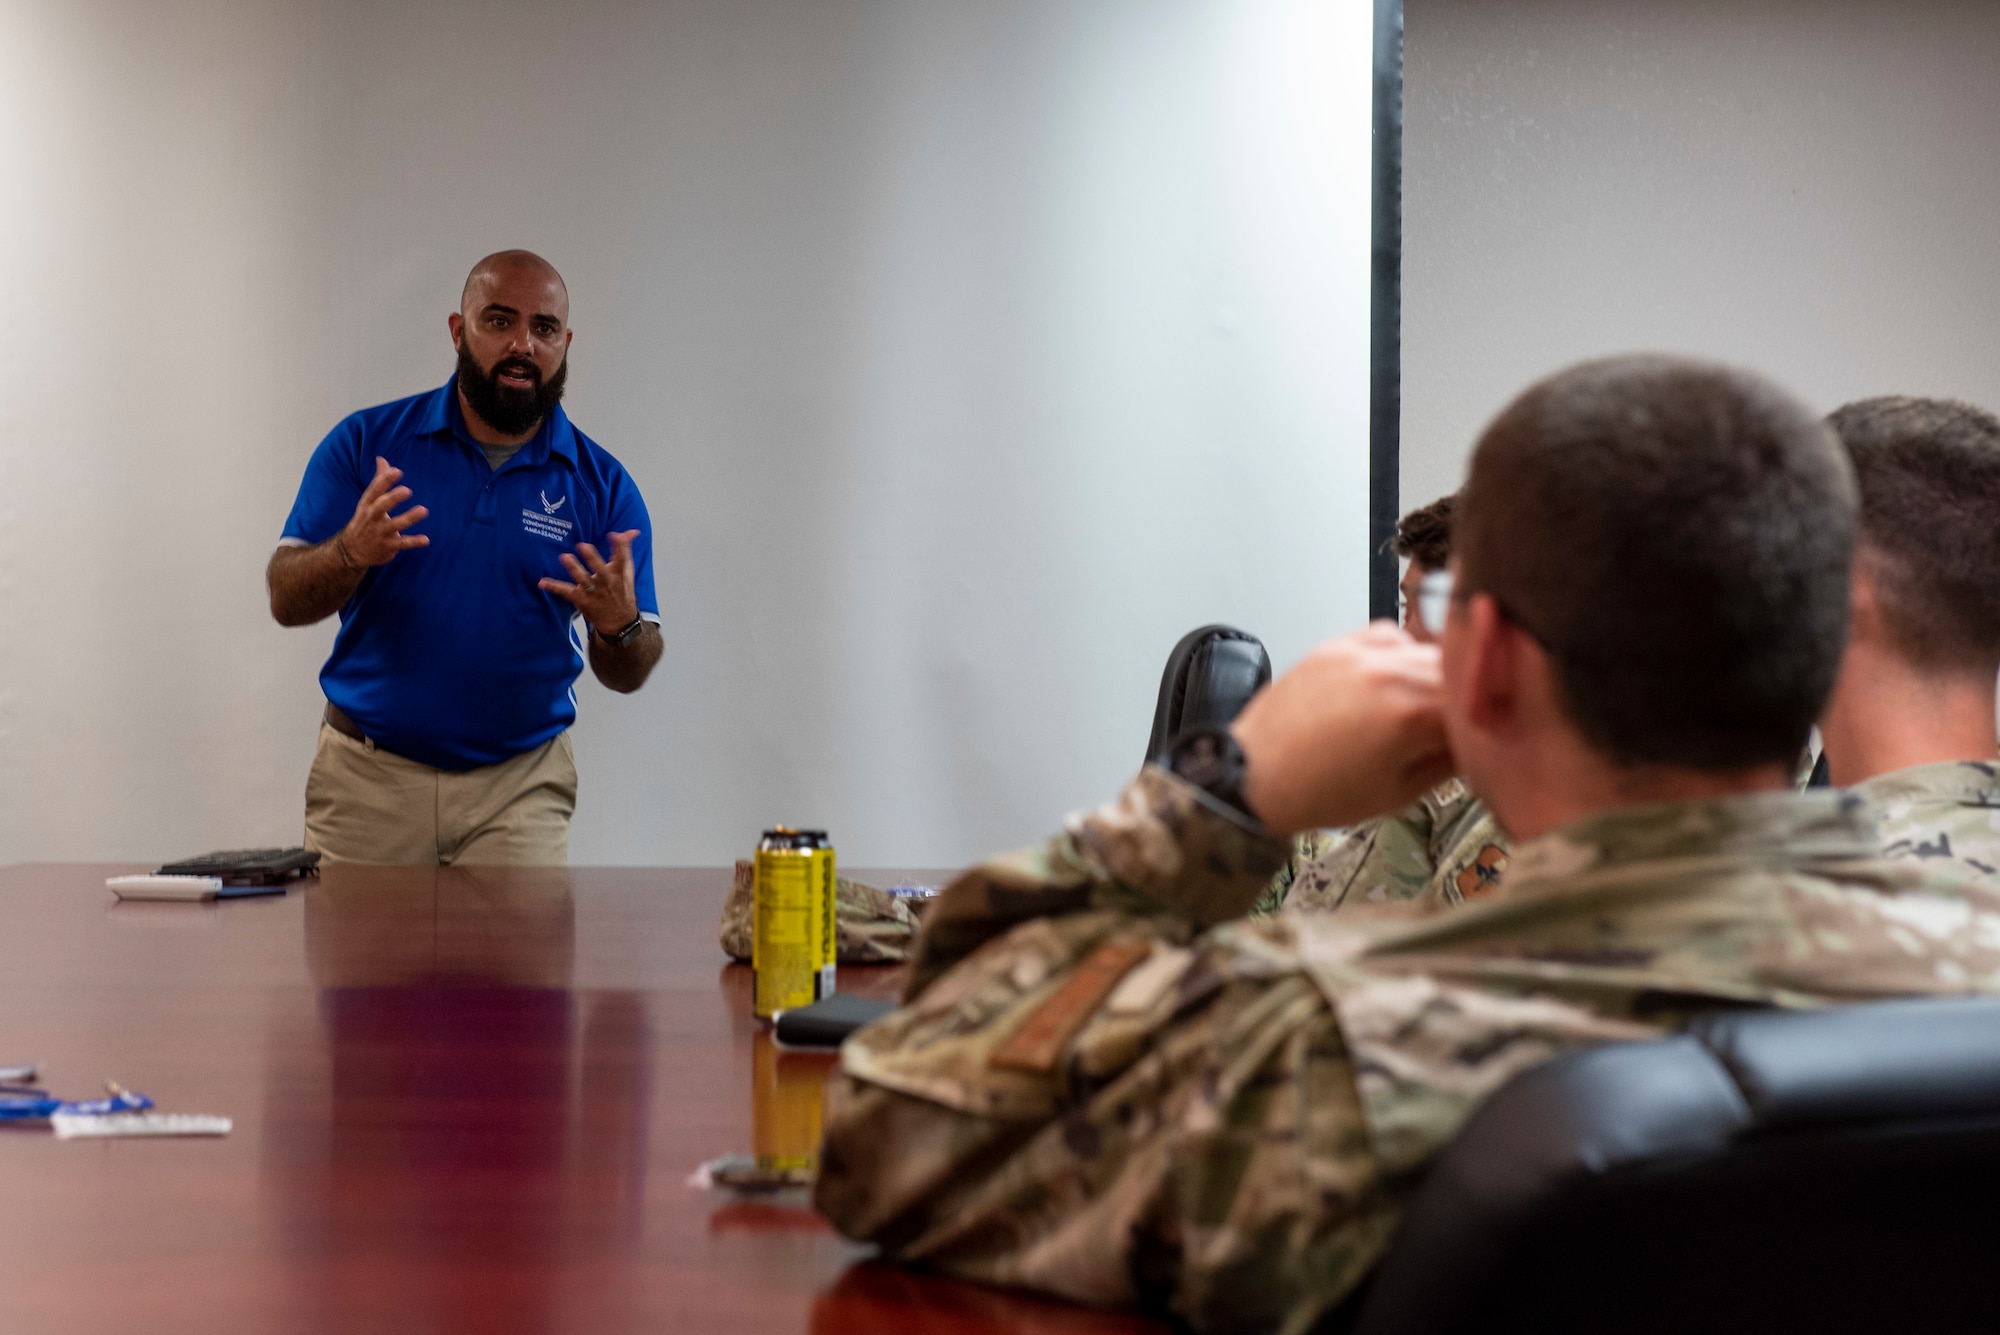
[(602, 590)]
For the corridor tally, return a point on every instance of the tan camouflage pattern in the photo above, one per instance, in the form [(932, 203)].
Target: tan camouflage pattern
[(1231, 1134), (870, 926), (1162, 848), (1309, 848), (1948, 810), (1442, 850)]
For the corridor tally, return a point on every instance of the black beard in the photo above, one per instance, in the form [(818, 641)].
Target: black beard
[(509, 411)]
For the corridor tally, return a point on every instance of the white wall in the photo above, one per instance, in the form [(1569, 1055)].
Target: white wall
[(1804, 186), (967, 354)]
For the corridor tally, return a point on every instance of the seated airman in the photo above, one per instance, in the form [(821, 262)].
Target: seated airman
[(1911, 719), (1106, 1083)]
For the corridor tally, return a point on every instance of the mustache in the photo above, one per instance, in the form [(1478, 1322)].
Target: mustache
[(522, 364)]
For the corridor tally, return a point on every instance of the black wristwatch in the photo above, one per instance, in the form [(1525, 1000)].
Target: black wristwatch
[(1213, 762), (623, 637)]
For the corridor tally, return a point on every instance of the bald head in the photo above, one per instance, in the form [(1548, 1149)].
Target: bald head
[(503, 265)]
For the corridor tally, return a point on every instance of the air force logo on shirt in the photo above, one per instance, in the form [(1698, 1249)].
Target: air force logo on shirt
[(545, 524)]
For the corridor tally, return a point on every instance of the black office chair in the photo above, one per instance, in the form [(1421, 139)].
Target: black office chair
[(1826, 1172), (1210, 676)]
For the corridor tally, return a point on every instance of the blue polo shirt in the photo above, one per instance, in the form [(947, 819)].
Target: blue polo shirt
[(449, 654)]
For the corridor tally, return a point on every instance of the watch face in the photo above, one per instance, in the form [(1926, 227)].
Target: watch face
[(1201, 760)]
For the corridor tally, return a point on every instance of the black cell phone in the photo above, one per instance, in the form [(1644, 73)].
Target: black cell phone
[(824, 1024)]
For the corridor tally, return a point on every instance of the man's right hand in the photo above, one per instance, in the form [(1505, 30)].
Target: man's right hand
[(374, 536), (1354, 730)]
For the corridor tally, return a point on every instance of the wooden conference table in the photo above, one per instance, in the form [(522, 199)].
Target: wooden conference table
[(464, 1100)]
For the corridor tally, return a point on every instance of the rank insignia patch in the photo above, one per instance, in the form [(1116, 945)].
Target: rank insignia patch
[(1480, 876)]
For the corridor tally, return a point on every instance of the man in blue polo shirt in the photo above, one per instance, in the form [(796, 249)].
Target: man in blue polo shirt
[(465, 619)]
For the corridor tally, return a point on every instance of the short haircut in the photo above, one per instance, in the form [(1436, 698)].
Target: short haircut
[(1677, 536), (1423, 536), (1929, 473)]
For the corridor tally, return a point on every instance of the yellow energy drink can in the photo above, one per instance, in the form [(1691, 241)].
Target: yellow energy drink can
[(792, 944)]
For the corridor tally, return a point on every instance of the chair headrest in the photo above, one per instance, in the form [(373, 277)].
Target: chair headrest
[(1210, 676)]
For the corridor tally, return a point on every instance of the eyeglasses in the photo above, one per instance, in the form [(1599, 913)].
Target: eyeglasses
[(1435, 593), (1434, 601)]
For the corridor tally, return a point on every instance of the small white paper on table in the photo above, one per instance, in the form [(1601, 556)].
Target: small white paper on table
[(70, 1126)]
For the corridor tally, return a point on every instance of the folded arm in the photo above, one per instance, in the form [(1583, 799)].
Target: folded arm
[(1162, 849), (1100, 1101), (1102, 1084)]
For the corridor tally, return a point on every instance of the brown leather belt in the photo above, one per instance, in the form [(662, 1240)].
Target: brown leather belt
[(336, 718)]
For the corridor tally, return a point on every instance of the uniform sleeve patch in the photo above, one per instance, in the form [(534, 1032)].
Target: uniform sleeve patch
[(1481, 876), (1037, 1045)]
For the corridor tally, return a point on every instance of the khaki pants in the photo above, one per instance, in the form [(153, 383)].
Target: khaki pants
[(365, 805)]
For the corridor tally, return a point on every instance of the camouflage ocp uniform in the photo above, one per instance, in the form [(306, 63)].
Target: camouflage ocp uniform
[(1443, 849), (871, 926), (1087, 1093), (1946, 811)]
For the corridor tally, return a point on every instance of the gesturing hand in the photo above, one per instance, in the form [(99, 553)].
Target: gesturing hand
[(374, 536), (1354, 730), (603, 592)]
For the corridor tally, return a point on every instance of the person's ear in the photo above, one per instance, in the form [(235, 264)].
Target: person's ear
[(457, 326), (1492, 675)]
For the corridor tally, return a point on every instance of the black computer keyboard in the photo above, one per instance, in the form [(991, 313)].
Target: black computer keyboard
[(247, 866)]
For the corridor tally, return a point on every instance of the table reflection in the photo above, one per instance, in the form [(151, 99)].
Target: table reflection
[(872, 1296), (441, 926), (478, 1118), (786, 1093)]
